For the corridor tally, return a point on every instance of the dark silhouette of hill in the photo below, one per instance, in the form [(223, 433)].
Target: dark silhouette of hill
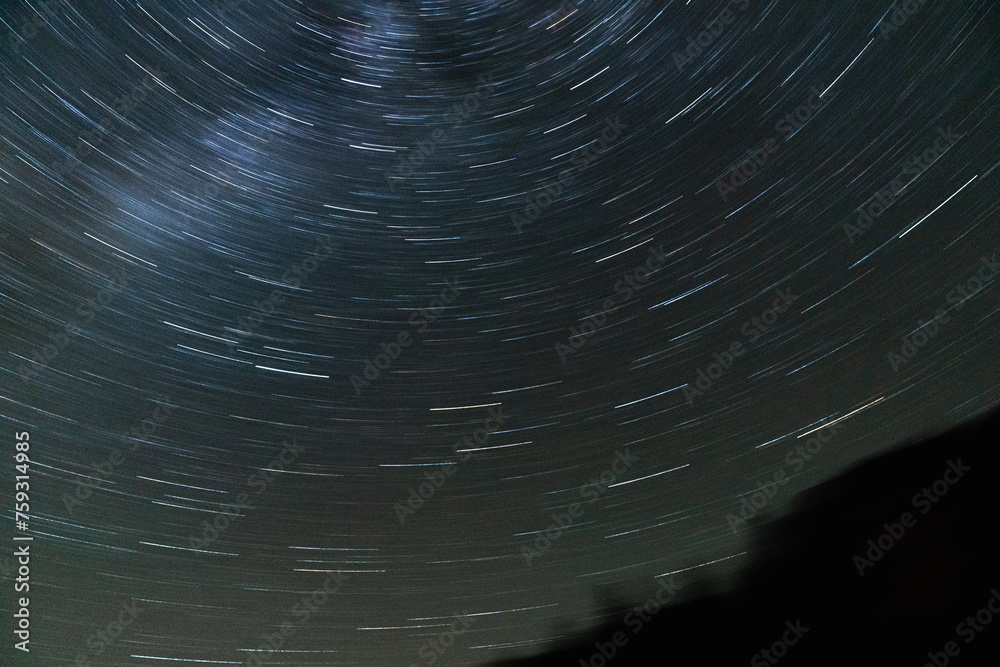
[(814, 579)]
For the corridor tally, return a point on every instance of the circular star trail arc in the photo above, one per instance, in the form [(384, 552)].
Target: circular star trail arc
[(354, 300)]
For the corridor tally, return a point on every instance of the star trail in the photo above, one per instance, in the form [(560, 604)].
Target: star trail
[(342, 327)]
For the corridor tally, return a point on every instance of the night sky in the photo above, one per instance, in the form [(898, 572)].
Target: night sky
[(381, 287)]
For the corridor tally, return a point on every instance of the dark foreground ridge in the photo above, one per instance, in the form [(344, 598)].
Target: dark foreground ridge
[(892, 563)]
